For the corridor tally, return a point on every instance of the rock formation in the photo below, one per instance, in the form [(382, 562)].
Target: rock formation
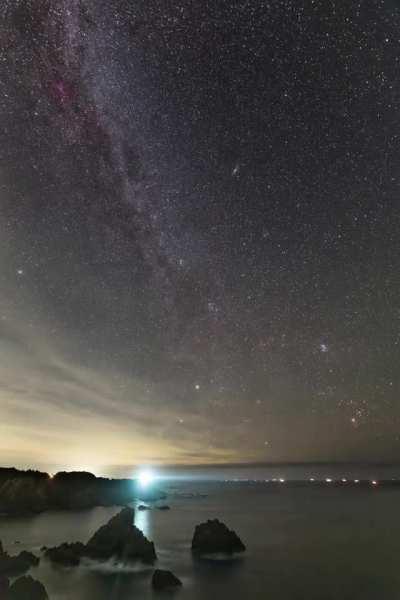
[(118, 538), (27, 588), (16, 565), (214, 536), (68, 555)]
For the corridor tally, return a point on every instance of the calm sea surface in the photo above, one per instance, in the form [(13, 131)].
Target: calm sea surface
[(302, 543)]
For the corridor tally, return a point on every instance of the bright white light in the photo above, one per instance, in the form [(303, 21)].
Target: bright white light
[(328, 480), (282, 480), (374, 482), (356, 481), (145, 478)]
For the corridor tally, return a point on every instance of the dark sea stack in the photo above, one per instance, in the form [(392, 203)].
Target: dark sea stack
[(67, 555), (164, 507), (214, 536), (143, 507), (27, 588), (163, 580), (120, 538), (16, 565), (29, 558)]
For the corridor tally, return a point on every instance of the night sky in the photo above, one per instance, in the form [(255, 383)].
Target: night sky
[(200, 231)]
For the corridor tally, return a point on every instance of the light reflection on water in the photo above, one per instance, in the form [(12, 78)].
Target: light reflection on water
[(143, 521)]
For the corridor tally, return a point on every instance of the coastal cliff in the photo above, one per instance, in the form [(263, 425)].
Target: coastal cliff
[(30, 492)]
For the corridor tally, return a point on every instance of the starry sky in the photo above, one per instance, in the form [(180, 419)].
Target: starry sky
[(199, 227)]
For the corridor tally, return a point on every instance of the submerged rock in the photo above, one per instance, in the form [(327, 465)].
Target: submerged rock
[(119, 537), (162, 580), (68, 555), (27, 588), (214, 536)]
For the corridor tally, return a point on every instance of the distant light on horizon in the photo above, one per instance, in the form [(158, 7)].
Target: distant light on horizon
[(146, 478)]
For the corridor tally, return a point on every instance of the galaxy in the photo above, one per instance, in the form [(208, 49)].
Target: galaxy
[(199, 221)]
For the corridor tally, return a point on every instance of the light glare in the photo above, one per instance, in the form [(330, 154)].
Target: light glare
[(145, 478)]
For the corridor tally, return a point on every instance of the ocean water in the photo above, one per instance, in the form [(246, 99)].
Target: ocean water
[(302, 543)]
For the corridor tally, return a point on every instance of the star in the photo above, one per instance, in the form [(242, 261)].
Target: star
[(235, 170)]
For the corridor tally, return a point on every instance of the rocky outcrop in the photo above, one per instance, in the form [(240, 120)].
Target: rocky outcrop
[(16, 565), (27, 588), (118, 538), (214, 536), (67, 555), (163, 580), (4, 586), (164, 507)]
